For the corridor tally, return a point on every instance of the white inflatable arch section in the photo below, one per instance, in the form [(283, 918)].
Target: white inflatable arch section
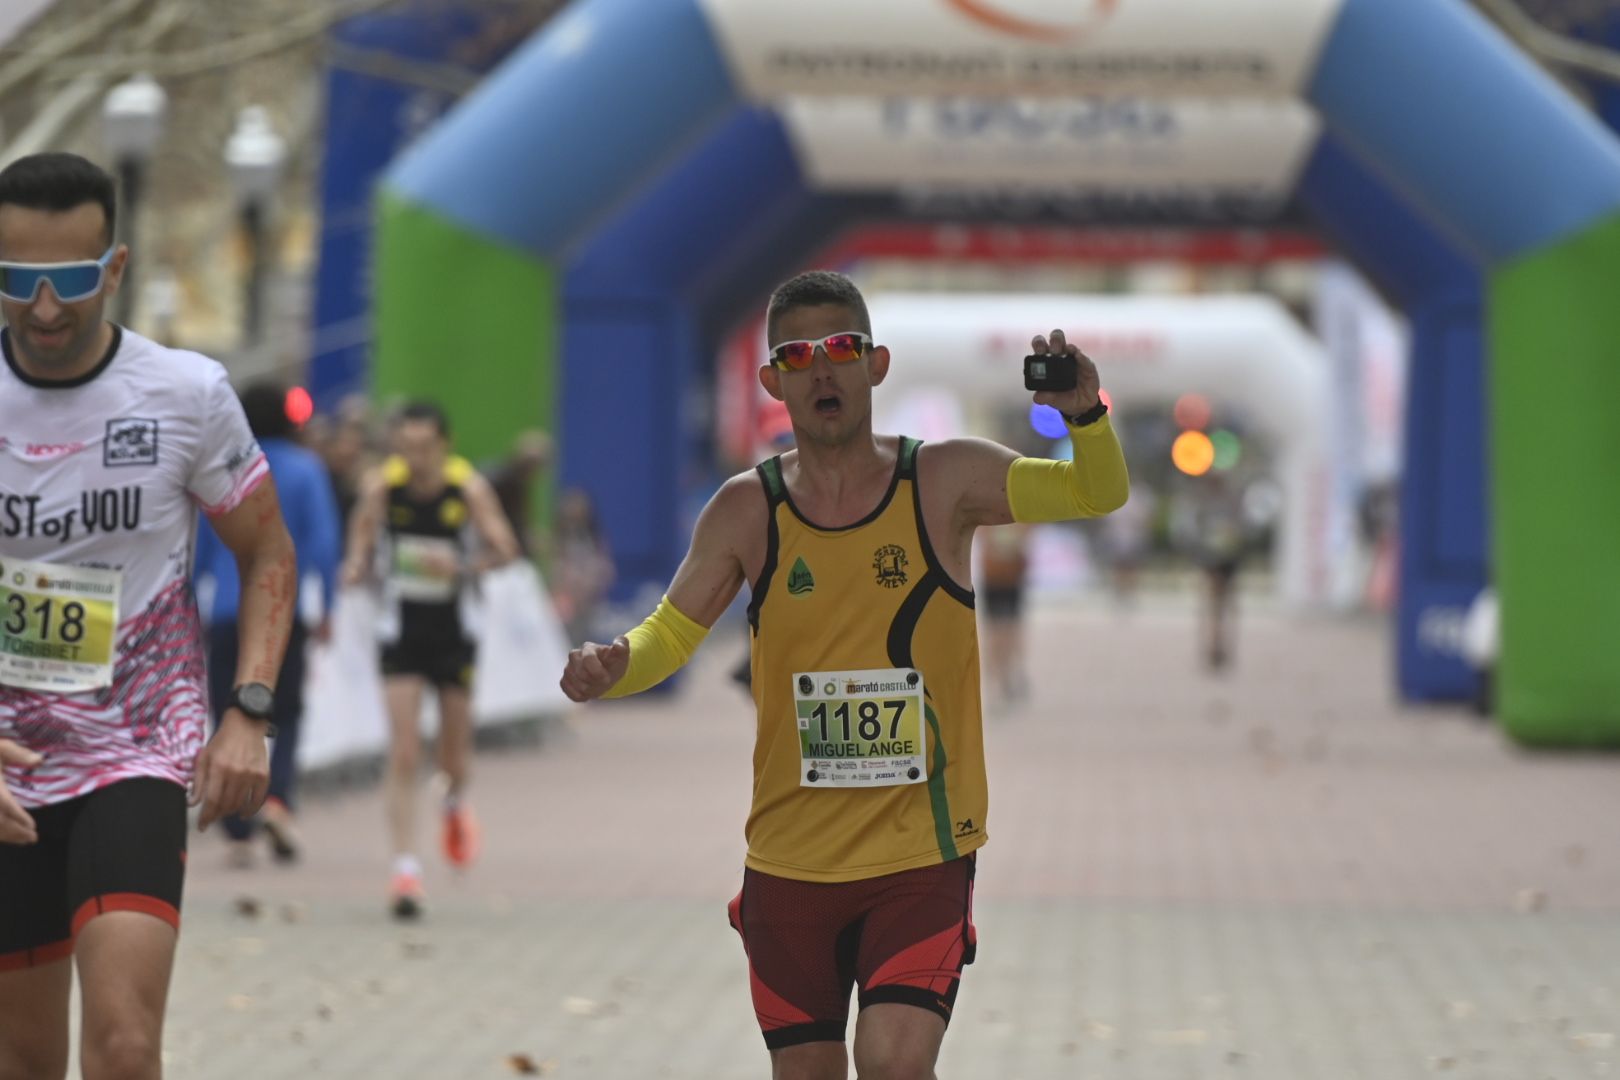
[(1241, 352)]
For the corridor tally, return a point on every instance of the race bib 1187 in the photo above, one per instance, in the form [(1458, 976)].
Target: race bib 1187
[(860, 728)]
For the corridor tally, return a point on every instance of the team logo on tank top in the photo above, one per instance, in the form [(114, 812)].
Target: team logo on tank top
[(800, 580), (890, 564)]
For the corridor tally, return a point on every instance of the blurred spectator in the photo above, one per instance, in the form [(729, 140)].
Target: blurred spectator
[(1220, 540), (347, 451), (1003, 567), (312, 519), (1380, 529), (1127, 534), (581, 564), (515, 478), (1481, 644)]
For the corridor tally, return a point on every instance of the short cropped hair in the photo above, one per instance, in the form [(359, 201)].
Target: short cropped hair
[(814, 288), (60, 182), (422, 409)]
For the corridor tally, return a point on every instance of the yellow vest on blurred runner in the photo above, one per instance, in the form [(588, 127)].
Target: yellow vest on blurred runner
[(869, 757)]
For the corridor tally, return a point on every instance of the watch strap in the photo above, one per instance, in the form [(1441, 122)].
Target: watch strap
[(1090, 416), (259, 716)]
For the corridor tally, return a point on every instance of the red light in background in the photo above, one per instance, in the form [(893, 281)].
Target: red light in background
[(299, 405), (1192, 412)]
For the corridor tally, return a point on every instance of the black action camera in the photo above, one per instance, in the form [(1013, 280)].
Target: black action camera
[(1051, 371)]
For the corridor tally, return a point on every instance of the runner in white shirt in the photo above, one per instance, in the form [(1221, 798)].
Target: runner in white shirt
[(108, 444)]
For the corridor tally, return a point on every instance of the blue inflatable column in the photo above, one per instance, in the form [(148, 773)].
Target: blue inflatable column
[(629, 364), (1444, 530)]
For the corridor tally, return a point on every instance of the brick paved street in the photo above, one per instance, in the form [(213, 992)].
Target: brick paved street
[(1277, 874)]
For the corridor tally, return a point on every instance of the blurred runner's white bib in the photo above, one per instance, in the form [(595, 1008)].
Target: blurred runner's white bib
[(414, 575)]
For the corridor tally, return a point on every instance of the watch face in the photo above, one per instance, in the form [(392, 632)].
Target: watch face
[(255, 699)]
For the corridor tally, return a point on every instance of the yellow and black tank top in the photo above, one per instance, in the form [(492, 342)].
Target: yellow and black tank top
[(861, 597), (413, 526)]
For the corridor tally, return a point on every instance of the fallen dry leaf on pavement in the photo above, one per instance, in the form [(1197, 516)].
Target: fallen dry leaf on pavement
[(524, 1065)]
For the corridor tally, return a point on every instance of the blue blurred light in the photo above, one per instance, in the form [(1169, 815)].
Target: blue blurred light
[(1048, 421)]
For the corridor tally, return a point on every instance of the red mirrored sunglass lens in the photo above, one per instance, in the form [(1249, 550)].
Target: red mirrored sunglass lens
[(796, 354), (842, 348)]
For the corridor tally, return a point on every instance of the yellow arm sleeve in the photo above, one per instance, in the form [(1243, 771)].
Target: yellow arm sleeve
[(1093, 484), (664, 641)]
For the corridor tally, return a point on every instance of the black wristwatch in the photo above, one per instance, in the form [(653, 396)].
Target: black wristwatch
[(1090, 416), (257, 702)]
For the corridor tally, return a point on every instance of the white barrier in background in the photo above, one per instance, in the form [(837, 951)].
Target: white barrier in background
[(521, 653)]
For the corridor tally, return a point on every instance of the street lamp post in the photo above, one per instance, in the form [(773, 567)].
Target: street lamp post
[(132, 116), (254, 156)]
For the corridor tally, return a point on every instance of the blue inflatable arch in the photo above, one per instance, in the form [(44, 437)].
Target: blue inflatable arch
[(645, 213)]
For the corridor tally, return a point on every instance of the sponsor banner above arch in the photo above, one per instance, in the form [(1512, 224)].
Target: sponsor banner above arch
[(1190, 48), (1246, 147)]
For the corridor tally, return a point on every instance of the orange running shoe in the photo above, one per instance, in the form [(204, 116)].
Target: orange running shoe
[(461, 835), (406, 891)]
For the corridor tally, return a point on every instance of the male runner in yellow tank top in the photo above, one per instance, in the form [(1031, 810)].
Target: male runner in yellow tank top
[(869, 784)]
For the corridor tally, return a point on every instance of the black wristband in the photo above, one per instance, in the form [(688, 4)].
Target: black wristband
[(1090, 416)]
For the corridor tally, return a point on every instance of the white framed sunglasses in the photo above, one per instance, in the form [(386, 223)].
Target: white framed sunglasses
[(841, 348), (70, 281)]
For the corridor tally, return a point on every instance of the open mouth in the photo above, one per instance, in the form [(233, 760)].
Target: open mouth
[(828, 405)]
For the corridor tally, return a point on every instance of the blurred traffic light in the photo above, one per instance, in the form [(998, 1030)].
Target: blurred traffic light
[(1192, 412), (1193, 453)]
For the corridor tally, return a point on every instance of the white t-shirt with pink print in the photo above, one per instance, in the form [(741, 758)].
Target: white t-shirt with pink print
[(101, 656)]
